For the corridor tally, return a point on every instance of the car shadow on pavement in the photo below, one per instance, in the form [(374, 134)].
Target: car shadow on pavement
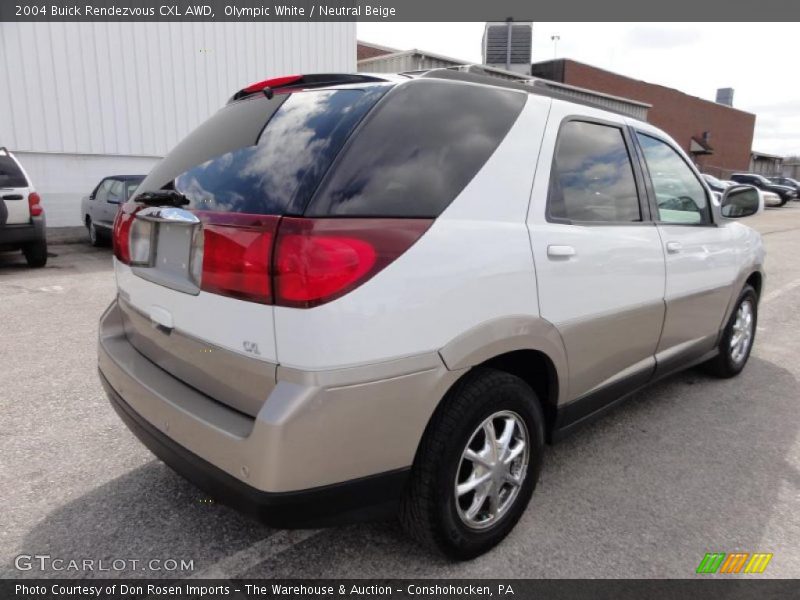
[(687, 466), (62, 259)]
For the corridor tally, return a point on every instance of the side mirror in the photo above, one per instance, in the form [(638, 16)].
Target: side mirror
[(741, 201)]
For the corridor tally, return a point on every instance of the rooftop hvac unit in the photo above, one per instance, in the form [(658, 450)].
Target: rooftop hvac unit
[(725, 96), (508, 46)]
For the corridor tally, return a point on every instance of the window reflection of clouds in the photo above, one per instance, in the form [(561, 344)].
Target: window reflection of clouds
[(418, 151), (595, 177), (264, 178)]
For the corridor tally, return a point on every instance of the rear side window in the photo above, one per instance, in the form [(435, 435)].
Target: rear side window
[(592, 177), (10, 174), (263, 156), (130, 186), (417, 150)]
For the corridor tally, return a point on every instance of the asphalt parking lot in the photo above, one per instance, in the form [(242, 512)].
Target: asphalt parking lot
[(689, 466)]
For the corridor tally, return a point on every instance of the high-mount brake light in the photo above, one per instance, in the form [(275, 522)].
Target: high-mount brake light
[(273, 83)]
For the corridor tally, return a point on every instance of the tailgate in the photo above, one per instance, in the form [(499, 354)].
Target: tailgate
[(221, 346), (193, 243)]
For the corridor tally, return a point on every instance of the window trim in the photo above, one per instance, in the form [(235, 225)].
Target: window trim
[(638, 179), (651, 193)]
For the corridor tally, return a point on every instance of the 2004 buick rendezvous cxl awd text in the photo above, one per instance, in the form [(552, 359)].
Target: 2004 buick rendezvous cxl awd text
[(347, 296)]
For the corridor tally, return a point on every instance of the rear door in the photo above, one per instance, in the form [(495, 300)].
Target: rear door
[(701, 261), (599, 261), (14, 190), (207, 275)]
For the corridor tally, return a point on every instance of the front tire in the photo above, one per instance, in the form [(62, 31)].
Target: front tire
[(738, 337), (477, 465), (36, 254)]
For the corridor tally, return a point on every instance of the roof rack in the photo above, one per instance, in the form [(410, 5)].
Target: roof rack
[(540, 87), (301, 81)]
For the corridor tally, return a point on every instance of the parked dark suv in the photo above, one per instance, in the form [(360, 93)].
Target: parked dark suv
[(786, 193), (787, 181)]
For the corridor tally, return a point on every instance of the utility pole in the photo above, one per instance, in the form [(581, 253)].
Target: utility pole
[(554, 39), (510, 25)]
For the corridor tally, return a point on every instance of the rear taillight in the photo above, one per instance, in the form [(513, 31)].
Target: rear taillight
[(285, 261), (34, 204), (319, 260), (122, 231), (236, 250)]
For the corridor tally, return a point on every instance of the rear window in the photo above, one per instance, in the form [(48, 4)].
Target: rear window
[(10, 174), (263, 156), (417, 150)]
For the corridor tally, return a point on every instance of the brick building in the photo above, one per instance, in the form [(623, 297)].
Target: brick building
[(718, 137), (366, 50)]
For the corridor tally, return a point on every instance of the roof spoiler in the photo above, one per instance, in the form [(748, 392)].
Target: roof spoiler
[(291, 82)]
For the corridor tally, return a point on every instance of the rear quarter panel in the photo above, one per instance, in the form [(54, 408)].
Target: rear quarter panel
[(472, 266)]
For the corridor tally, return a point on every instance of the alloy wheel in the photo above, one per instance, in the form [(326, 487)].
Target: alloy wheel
[(492, 469), (742, 334)]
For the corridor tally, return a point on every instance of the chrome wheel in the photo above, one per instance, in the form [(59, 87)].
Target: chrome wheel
[(492, 468), (92, 233), (742, 335)]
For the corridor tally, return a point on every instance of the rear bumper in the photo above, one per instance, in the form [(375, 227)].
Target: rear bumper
[(363, 499), (17, 235), (323, 448)]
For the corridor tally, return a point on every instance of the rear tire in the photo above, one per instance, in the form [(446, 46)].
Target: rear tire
[(35, 253), (436, 510), (737, 338)]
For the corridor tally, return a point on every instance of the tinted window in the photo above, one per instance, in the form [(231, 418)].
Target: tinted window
[(10, 174), (418, 150), (680, 196), (263, 156), (592, 175)]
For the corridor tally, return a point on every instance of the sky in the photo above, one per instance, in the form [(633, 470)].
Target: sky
[(757, 60)]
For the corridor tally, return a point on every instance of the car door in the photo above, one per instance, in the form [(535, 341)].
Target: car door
[(115, 196), (598, 258), (97, 202), (700, 259)]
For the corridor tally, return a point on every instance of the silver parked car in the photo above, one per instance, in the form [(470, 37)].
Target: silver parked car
[(99, 209)]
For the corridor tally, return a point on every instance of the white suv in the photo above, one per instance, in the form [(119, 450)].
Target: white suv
[(22, 222), (346, 297)]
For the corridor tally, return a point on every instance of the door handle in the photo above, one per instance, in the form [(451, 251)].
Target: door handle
[(674, 247), (560, 251)]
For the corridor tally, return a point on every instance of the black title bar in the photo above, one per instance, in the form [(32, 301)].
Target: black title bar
[(398, 10)]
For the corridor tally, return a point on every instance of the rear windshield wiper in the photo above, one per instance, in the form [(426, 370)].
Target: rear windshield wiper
[(163, 198)]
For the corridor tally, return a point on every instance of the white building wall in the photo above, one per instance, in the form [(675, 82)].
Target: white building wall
[(82, 100)]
